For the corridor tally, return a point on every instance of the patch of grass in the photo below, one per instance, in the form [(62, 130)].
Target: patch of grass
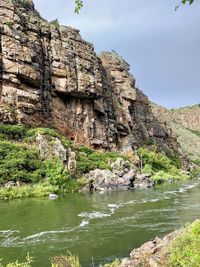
[(184, 249), (38, 190)]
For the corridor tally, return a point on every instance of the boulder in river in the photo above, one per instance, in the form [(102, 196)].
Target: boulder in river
[(106, 180), (143, 181), (53, 196)]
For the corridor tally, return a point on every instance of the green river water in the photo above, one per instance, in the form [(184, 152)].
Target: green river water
[(101, 226)]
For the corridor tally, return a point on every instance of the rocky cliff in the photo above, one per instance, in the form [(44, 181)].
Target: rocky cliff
[(50, 76)]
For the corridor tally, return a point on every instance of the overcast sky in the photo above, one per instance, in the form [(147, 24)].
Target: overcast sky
[(161, 45)]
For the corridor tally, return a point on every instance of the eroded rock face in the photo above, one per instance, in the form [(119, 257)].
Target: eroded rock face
[(50, 76)]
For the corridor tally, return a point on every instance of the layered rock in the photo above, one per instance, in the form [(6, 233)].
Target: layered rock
[(50, 76)]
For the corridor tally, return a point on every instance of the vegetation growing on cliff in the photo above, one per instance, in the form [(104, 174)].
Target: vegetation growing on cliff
[(160, 166), (21, 162)]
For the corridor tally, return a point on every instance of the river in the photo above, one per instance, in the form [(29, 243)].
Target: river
[(98, 227)]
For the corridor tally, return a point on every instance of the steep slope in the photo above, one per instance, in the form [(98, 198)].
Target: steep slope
[(50, 76), (182, 122), (189, 117)]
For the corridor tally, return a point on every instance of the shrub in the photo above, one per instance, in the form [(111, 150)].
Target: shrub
[(38, 190), (55, 22), (184, 249), (85, 149), (32, 134), (147, 169), (58, 176), (19, 163), (115, 263), (84, 164), (68, 261), (13, 132), (24, 3)]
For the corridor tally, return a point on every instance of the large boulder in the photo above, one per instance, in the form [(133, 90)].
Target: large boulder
[(50, 147), (106, 180), (143, 181)]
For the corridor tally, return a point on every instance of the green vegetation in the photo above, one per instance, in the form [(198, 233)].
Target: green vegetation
[(78, 6), (55, 22), (20, 162), (10, 24), (17, 163), (89, 159), (160, 166), (184, 249), (115, 263), (194, 132), (12, 132), (27, 263), (69, 261), (37, 190), (59, 176), (23, 3), (31, 134)]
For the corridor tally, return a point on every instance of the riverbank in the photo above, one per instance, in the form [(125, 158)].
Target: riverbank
[(36, 162), (179, 248)]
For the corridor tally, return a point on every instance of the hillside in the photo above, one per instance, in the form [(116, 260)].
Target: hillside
[(189, 117), (185, 125)]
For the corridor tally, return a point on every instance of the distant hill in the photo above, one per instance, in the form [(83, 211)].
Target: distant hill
[(189, 117), (185, 125)]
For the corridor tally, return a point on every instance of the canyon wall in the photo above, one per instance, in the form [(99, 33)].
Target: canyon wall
[(51, 77)]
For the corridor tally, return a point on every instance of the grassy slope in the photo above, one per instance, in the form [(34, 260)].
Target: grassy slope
[(188, 138)]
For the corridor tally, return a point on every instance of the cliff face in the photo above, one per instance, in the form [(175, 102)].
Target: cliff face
[(50, 76)]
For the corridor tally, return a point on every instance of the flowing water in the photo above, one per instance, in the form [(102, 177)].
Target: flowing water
[(98, 227)]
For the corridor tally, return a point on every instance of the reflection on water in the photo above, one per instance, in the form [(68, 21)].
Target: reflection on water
[(98, 226)]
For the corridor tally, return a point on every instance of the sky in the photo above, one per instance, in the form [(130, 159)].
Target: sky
[(161, 45)]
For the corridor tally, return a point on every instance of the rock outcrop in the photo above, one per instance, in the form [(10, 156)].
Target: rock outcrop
[(150, 254), (122, 176), (50, 76)]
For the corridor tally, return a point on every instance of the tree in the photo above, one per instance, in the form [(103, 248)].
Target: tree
[(79, 4), (183, 2)]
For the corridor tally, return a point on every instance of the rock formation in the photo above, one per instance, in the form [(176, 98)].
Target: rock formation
[(50, 76)]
